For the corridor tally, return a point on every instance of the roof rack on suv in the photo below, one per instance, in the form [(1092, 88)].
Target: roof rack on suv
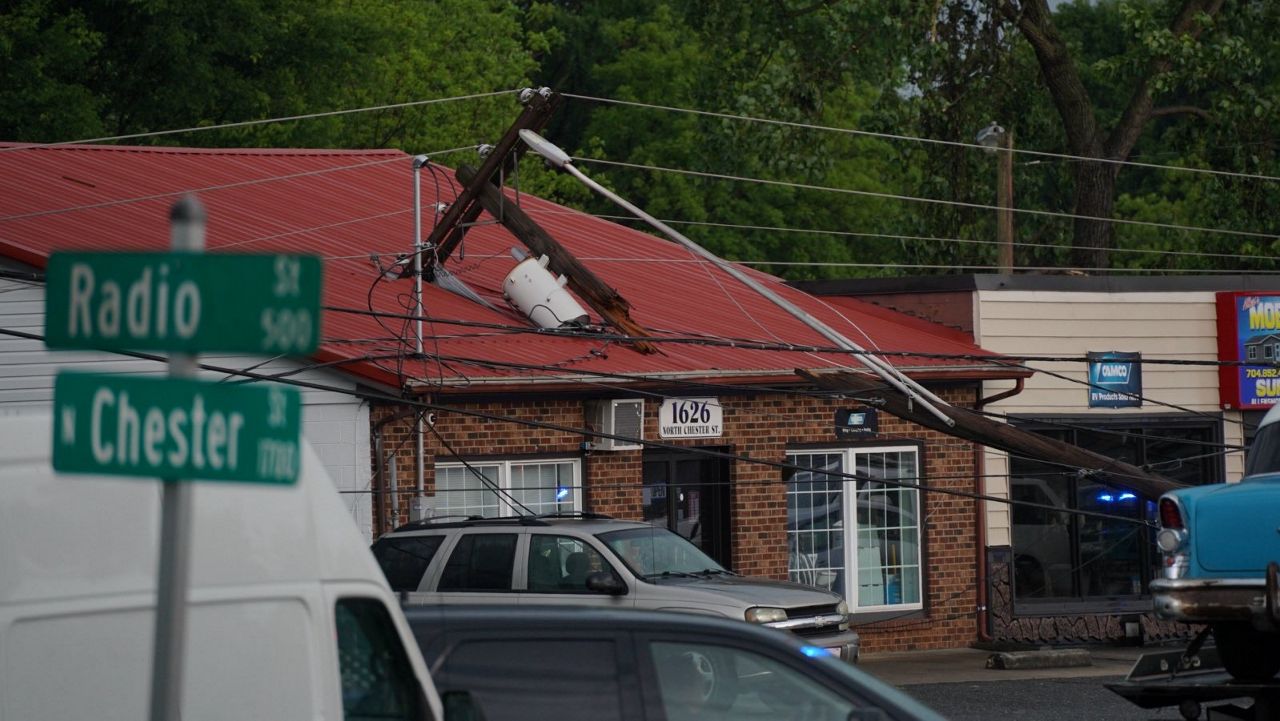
[(460, 520), (576, 514)]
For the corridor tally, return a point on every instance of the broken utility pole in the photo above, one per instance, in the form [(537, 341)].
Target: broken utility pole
[(974, 427), (601, 297), (539, 107)]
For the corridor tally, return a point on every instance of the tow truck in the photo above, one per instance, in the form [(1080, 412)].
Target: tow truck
[(1193, 677)]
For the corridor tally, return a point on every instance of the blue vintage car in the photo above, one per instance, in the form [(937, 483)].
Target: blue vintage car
[(1221, 545)]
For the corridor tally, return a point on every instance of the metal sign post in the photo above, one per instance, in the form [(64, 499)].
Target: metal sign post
[(186, 235), (179, 428)]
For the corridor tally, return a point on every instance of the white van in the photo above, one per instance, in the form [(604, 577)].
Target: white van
[(289, 615)]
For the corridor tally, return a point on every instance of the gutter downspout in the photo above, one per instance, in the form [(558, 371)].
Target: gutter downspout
[(980, 487), (387, 475)]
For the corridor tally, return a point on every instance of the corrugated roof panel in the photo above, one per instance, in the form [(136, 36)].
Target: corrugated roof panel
[(346, 205)]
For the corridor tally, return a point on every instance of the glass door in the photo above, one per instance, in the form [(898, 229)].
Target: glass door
[(688, 494)]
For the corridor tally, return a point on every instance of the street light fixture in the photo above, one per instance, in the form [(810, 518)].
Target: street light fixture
[(914, 391), (996, 139)]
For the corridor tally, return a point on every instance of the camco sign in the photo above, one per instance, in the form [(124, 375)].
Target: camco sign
[(1115, 380)]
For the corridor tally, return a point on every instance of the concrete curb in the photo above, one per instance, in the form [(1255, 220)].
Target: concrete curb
[(1053, 658)]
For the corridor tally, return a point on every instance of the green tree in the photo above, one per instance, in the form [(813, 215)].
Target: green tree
[(697, 55), (45, 54), (1102, 79), (121, 67)]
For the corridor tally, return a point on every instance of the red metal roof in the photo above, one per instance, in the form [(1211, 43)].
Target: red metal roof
[(348, 205)]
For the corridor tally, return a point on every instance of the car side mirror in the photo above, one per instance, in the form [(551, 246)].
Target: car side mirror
[(606, 582), (460, 706)]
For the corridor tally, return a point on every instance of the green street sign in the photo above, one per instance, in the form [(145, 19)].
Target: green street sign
[(175, 428), (183, 302)]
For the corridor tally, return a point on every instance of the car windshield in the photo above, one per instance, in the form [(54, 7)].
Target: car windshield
[(651, 552), (1264, 453)]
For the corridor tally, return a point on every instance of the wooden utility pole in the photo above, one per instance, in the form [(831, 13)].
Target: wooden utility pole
[(600, 296), (1004, 199), (449, 232), (973, 427)]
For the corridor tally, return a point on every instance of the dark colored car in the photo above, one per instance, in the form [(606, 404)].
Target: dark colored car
[(586, 664)]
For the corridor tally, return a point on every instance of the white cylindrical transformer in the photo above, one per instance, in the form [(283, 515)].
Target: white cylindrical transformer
[(538, 294)]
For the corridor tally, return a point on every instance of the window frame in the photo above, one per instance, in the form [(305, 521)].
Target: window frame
[(589, 547), (650, 684), (505, 465), (359, 608), (849, 454), (440, 649), (1154, 423), (469, 536)]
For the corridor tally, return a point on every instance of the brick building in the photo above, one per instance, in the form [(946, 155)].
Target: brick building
[(1061, 578), (714, 434)]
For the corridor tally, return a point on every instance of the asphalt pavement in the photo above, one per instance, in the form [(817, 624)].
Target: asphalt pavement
[(1046, 685), (969, 665)]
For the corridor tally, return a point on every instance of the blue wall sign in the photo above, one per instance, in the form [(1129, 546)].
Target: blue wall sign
[(1115, 380)]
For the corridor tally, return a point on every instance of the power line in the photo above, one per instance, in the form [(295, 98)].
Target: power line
[(1003, 359), (400, 157), (887, 236), (940, 266), (917, 139), (914, 199), (297, 231), (264, 121), (371, 395)]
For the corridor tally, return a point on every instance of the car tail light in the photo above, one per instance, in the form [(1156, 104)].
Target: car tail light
[(1170, 514)]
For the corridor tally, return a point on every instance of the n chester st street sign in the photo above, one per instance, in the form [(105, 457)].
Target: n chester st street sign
[(184, 302), (175, 428)]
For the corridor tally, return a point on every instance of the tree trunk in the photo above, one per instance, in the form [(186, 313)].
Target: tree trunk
[(1095, 182), (1095, 197)]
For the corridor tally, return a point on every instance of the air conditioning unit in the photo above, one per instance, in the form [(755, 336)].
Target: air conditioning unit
[(620, 418)]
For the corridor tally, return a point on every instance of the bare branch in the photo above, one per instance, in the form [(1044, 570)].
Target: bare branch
[(1180, 110), (813, 7)]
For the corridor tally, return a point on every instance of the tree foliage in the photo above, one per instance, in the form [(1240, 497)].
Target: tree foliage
[(73, 70), (1182, 83)]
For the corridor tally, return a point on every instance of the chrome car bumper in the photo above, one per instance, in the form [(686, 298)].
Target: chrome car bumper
[(822, 631), (1251, 600), (843, 644)]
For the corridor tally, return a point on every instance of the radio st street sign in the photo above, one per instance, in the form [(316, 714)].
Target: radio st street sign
[(184, 302), (178, 427), (175, 428)]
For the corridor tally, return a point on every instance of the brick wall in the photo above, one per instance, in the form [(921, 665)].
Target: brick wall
[(759, 426)]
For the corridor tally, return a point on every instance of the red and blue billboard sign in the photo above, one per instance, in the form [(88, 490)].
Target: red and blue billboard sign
[(1249, 331)]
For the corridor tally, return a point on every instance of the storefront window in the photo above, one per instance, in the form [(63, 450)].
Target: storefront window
[(1068, 557), (507, 488), (882, 567)]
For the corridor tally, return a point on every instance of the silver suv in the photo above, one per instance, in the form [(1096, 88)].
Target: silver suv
[(587, 559)]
